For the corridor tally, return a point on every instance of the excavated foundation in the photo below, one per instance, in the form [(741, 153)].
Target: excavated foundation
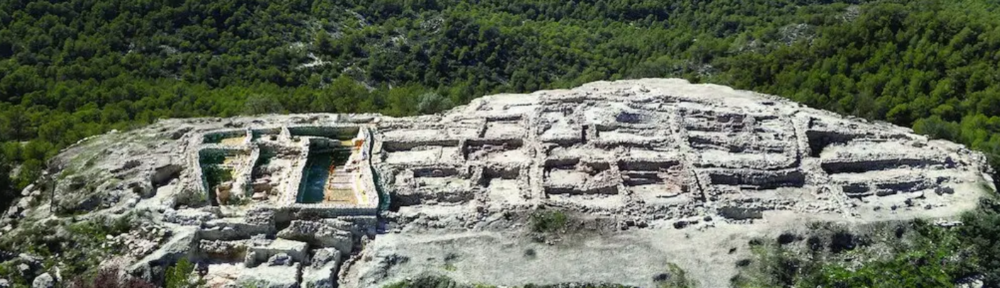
[(299, 200)]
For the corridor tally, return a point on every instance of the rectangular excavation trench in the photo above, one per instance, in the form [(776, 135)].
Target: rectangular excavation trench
[(757, 179), (332, 172), (653, 179), (609, 137), (267, 133), (575, 177), (442, 184), (274, 170), (494, 150), (221, 169), (331, 132), (501, 184)]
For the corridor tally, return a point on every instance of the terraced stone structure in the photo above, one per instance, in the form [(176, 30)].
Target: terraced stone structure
[(664, 149), (319, 199)]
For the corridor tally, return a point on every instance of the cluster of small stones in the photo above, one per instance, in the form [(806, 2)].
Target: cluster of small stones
[(640, 152)]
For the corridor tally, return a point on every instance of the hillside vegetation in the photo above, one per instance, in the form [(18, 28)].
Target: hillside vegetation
[(70, 69), (76, 68)]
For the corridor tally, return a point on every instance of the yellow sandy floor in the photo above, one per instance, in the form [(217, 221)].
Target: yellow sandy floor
[(233, 141)]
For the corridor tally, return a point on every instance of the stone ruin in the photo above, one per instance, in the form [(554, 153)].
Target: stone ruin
[(640, 152), (663, 150), (292, 200), (313, 196)]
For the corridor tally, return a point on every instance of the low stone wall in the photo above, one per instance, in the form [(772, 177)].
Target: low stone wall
[(340, 132), (217, 136), (331, 210)]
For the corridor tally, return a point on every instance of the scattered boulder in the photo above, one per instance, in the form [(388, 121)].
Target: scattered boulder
[(44, 281), (325, 256), (280, 259)]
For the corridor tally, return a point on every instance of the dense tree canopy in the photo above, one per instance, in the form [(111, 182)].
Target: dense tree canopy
[(70, 69)]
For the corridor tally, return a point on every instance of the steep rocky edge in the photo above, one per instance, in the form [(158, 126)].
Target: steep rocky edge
[(640, 175)]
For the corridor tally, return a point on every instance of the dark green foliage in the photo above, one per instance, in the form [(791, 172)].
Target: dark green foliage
[(929, 64), (981, 231), (933, 260), (7, 191), (925, 256), (430, 102), (178, 275), (216, 174), (71, 69), (548, 221)]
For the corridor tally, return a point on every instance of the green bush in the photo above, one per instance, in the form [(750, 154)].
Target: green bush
[(179, 276), (549, 221), (674, 278), (925, 256), (981, 232)]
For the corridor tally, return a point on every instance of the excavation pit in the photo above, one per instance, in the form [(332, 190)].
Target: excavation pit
[(225, 174), (423, 155), (332, 172), (583, 178), (496, 151), (504, 130)]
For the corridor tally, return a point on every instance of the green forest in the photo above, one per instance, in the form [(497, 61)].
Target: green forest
[(76, 68), (71, 69)]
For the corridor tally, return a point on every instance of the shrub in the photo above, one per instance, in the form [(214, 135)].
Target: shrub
[(430, 103), (981, 232), (674, 278), (548, 221), (179, 275)]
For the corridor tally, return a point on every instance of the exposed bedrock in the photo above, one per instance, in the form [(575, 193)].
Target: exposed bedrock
[(232, 229), (164, 174), (319, 234), (819, 140)]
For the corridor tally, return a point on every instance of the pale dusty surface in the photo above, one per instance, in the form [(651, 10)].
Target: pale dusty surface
[(652, 172)]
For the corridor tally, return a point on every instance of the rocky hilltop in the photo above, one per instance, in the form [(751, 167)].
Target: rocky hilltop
[(609, 182)]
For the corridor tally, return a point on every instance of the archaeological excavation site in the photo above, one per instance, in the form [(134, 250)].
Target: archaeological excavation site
[(654, 171)]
